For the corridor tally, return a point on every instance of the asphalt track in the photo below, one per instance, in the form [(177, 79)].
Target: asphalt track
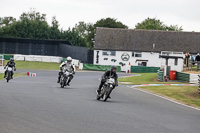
[(39, 105)]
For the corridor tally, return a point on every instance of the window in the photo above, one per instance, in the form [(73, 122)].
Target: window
[(109, 53), (176, 62), (133, 54), (159, 55), (136, 54)]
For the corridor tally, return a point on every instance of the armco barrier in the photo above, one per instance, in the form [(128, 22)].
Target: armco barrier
[(39, 58), (144, 69), (184, 77), (99, 67), (160, 76)]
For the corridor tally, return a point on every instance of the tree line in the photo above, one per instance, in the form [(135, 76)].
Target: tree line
[(34, 25)]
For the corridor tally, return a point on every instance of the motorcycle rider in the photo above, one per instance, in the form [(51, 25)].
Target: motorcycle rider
[(68, 66), (11, 64), (108, 74)]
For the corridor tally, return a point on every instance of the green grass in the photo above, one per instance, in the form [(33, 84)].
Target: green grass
[(188, 95), (195, 69), (36, 65), (145, 78), (15, 75)]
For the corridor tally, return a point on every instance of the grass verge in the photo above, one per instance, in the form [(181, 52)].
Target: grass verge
[(36, 65), (188, 95), (15, 75), (145, 78)]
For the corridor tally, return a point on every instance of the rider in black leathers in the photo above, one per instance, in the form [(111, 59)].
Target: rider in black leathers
[(108, 74), (11, 63)]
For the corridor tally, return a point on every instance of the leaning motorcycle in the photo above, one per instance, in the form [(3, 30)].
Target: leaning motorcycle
[(106, 89), (64, 78), (8, 74)]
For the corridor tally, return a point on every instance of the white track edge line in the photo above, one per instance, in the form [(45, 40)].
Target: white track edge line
[(164, 98)]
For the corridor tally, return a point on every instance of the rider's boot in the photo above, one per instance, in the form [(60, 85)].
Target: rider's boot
[(68, 83), (98, 91)]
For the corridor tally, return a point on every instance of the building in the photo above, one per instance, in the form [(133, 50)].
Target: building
[(123, 47)]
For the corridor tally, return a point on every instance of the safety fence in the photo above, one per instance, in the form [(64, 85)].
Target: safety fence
[(61, 48), (144, 69), (99, 67)]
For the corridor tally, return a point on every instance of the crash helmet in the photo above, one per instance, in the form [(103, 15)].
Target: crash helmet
[(69, 59), (11, 60), (113, 68)]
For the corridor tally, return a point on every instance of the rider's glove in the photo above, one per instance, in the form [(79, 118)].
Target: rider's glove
[(60, 68), (103, 80), (73, 73), (5, 67), (15, 69)]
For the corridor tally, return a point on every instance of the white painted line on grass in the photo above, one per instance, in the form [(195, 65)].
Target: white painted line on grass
[(164, 98)]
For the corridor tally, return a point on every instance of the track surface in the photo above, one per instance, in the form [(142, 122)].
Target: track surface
[(39, 105)]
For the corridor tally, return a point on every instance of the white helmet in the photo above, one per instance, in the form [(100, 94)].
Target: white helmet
[(69, 58)]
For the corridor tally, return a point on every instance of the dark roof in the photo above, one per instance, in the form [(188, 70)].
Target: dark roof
[(143, 40)]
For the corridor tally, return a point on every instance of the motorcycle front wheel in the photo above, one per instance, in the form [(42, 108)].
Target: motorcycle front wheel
[(107, 94), (8, 76)]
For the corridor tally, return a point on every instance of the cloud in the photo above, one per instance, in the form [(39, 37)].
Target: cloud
[(68, 12)]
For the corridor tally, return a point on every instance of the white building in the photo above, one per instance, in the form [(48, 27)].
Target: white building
[(123, 47)]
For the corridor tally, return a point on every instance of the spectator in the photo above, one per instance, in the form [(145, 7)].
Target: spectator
[(193, 60), (198, 61), (187, 58)]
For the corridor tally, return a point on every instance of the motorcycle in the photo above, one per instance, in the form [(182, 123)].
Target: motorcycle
[(8, 74), (64, 78), (106, 89)]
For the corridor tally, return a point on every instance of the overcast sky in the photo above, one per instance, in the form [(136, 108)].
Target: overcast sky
[(185, 13)]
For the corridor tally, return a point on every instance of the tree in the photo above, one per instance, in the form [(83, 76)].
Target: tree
[(110, 23), (7, 21), (151, 24), (30, 25), (33, 25), (55, 32), (73, 37), (84, 30), (156, 24), (107, 23), (174, 28)]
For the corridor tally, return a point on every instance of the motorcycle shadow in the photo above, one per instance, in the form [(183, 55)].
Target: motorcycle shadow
[(109, 101)]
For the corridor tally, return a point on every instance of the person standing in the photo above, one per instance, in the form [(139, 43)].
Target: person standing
[(197, 59), (187, 59)]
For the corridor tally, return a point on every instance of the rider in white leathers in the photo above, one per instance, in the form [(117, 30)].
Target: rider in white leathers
[(68, 66)]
